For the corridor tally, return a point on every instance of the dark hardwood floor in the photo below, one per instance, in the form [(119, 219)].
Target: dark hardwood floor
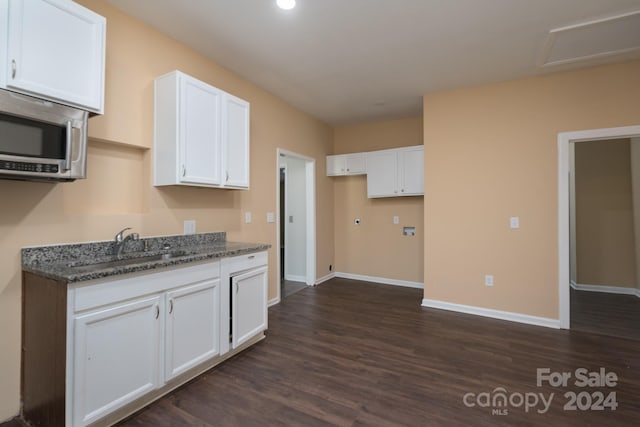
[(606, 314), (349, 353), (289, 287)]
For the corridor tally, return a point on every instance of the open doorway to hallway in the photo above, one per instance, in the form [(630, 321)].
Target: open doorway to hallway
[(566, 241), (296, 221), (605, 236)]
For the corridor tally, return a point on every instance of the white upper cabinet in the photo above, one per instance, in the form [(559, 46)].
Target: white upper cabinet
[(201, 134), (411, 171), (382, 174), (235, 135), (346, 164), (55, 49), (395, 173)]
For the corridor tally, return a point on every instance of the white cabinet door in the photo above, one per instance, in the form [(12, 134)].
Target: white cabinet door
[(346, 164), (411, 170), (235, 141), (382, 174), (193, 326), (56, 49), (199, 132), (356, 164), (249, 305), (336, 165), (116, 357)]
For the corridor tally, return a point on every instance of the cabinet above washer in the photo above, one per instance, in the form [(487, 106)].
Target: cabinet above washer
[(346, 164)]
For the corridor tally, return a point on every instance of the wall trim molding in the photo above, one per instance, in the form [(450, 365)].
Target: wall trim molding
[(381, 280), (295, 278), (621, 290), (274, 301), (495, 314), (326, 278)]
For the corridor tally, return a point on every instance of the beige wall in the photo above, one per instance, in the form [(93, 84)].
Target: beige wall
[(119, 192), (377, 247), (491, 153), (605, 240)]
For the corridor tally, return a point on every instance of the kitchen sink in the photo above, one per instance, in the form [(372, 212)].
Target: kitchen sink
[(91, 266)]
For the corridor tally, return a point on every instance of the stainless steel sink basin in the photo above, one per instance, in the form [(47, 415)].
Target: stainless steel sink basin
[(83, 268)]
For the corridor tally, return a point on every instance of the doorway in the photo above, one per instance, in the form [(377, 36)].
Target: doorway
[(565, 184), (604, 221), (296, 222)]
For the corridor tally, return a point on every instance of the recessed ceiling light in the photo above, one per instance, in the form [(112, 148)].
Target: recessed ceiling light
[(286, 4)]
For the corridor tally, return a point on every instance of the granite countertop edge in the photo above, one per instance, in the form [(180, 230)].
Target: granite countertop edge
[(61, 263)]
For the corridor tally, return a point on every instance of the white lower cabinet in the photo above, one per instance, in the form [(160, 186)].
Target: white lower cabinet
[(249, 304), (117, 356), (193, 326), (134, 337)]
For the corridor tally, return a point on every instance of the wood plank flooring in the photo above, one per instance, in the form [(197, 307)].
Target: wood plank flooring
[(349, 353), (289, 287), (606, 314)]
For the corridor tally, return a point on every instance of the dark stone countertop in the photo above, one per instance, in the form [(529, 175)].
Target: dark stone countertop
[(95, 260)]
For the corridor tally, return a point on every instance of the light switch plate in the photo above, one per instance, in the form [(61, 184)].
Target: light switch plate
[(189, 226), (271, 217), (396, 219), (247, 217), (514, 222)]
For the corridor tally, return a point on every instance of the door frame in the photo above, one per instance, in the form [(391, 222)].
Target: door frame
[(310, 199), (565, 139)]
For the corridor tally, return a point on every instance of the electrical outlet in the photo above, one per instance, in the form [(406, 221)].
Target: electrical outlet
[(396, 220), (488, 280), (271, 217), (189, 226), (247, 217)]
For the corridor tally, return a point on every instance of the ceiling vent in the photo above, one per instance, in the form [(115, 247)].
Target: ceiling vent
[(601, 40)]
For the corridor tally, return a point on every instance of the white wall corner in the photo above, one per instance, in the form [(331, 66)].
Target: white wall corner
[(495, 314)]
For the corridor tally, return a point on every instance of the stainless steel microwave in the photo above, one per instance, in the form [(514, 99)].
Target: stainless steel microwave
[(41, 140)]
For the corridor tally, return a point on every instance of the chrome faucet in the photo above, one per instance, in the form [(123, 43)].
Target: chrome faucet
[(121, 240)]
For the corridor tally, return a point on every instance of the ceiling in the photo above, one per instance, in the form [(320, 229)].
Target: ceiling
[(351, 61)]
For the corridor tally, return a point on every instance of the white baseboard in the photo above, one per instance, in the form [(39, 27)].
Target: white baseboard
[(273, 302), (381, 280), (294, 278), (325, 278), (496, 314), (606, 289)]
